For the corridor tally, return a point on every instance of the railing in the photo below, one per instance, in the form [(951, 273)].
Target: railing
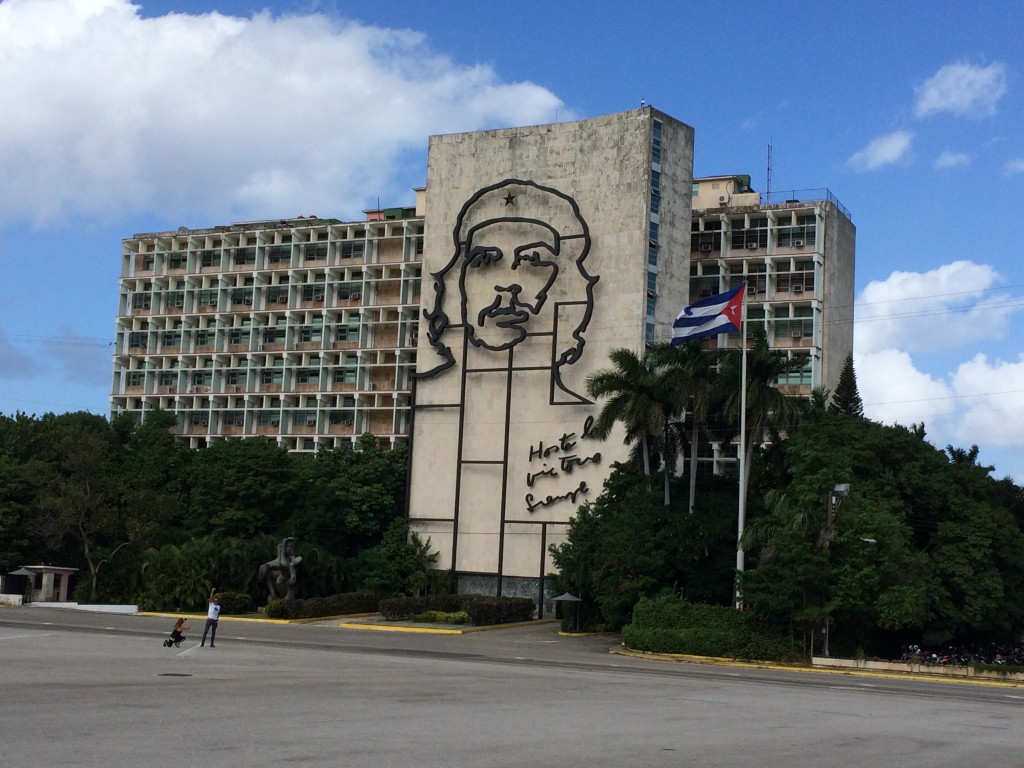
[(776, 197)]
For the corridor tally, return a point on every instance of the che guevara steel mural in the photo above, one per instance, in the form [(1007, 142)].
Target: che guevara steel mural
[(509, 314)]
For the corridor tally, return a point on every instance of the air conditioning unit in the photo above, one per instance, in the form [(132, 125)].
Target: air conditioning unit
[(346, 422), (797, 288), (310, 422), (752, 246), (275, 422), (204, 423), (356, 296), (247, 299), (797, 334), (723, 199), (751, 289), (798, 243), (705, 247)]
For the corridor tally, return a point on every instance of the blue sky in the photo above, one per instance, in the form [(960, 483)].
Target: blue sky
[(123, 118)]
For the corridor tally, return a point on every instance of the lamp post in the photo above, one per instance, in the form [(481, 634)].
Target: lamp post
[(839, 492)]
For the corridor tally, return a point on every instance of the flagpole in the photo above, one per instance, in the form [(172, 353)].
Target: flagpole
[(741, 517)]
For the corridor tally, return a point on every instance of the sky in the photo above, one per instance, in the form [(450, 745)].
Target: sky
[(120, 118)]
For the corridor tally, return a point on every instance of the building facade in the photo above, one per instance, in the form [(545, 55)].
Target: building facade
[(547, 247), (795, 252), (300, 330)]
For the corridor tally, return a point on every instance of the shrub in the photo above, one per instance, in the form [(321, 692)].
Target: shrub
[(442, 617), (405, 608), (318, 607), (487, 611), (235, 603), (670, 624)]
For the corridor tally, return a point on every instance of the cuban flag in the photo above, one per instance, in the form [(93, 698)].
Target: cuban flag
[(716, 314)]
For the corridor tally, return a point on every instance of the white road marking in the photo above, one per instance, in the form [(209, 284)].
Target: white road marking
[(18, 637)]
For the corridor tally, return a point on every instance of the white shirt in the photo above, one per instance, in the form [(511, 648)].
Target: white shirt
[(214, 612)]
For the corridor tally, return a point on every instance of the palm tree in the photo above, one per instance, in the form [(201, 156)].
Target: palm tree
[(769, 411), (635, 398), (690, 375)]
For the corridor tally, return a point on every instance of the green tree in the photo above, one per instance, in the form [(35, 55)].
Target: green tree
[(80, 496), (238, 488), (688, 375), (398, 564), (846, 398), (638, 397)]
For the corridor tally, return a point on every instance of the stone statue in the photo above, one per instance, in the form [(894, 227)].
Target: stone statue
[(279, 574)]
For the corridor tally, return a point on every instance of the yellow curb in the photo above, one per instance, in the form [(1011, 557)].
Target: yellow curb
[(680, 658), (441, 630), (201, 617)]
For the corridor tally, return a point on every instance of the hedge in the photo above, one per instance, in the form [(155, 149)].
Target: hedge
[(670, 624), (317, 607), (482, 611)]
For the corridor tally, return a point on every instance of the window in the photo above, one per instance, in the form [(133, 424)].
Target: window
[(204, 337), (234, 418), (279, 254), (141, 301), (652, 283), (652, 255), (172, 339), (244, 256), (177, 261), (238, 336), (348, 291), (135, 379), (801, 375), (137, 339), (175, 298), (316, 252), (313, 292), (655, 183), (307, 376), (274, 336), (344, 418), (653, 233), (271, 377), (309, 333), (147, 262), (208, 298), (352, 249), (345, 376), (278, 295), (207, 259)]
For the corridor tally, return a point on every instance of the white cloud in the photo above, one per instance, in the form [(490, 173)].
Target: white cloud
[(993, 402), (952, 160), (107, 113), (885, 150), (942, 309), (962, 89), (1013, 167), (895, 392)]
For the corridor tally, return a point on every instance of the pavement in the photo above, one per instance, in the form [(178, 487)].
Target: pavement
[(85, 689), (375, 622)]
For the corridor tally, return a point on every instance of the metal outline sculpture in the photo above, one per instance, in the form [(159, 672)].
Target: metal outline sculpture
[(466, 256)]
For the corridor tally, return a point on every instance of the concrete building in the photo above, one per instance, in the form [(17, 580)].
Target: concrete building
[(549, 247), (301, 330), (795, 251)]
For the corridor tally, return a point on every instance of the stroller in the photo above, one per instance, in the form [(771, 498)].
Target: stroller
[(176, 635)]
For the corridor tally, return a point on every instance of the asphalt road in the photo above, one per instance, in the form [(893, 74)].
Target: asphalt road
[(84, 689)]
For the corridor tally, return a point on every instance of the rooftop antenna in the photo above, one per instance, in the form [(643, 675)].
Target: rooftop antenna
[(768, 181)]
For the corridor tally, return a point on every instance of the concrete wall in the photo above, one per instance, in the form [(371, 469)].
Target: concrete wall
[(501, 458), (837, 293)]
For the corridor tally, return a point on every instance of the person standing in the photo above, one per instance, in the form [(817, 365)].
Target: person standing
[(212, 617)]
